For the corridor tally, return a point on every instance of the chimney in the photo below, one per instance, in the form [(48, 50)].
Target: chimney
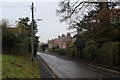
[(63, 35), (58, 37), (68, 34)]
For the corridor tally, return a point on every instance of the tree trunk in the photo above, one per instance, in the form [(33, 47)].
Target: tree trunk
[(103, 5)]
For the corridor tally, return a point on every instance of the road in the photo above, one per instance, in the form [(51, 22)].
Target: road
[(69, 69)]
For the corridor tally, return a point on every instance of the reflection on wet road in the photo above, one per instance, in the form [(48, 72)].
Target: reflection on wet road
[(69, 69)]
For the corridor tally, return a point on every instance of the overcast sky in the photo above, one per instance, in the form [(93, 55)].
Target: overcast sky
[(49, 27)]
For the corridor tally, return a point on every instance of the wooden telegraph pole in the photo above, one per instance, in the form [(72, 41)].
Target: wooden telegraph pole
[(32, 32)]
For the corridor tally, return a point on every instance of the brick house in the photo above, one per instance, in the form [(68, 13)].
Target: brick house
[(62, 41)]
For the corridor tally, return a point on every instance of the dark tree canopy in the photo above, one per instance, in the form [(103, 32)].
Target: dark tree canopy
[(77, 13)]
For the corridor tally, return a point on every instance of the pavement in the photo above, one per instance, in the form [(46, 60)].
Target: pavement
[(45, 73), (68, 69)]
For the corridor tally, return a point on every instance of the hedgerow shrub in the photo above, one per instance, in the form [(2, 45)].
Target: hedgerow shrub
[(90, 51), (61, 51), (70, 51), (20, 49), (109, 54)]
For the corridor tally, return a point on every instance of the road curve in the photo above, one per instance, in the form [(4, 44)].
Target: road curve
[(69, 69)]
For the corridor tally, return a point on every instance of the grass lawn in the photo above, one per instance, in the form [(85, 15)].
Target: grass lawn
[(19, 67), (0, 66)]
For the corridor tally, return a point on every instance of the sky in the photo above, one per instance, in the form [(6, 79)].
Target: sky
[(49, 27)]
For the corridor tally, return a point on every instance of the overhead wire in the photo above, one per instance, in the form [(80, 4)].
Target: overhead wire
[(12, 6)]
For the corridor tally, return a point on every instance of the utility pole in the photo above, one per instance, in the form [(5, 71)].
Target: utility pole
[(32, 32)]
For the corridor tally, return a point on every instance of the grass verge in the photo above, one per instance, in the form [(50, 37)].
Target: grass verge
[(0, 66), (19, 67)]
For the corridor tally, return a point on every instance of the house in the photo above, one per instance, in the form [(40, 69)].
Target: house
[(50, 44), (42, 46), (62, 41)]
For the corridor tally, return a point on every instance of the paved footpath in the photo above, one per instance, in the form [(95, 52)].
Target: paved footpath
[(68, 69), (45, 73)]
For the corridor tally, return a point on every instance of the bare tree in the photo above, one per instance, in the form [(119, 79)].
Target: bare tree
[(73, 13)]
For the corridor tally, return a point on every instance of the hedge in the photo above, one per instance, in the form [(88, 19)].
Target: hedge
[(90, 51), (70, 51), (109, 54)]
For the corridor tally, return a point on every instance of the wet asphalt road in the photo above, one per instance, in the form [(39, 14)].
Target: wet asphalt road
[(69, 69)]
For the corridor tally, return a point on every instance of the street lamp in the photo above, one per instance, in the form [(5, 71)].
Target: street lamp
[(38, 19), (33, 37), (32, 31)]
